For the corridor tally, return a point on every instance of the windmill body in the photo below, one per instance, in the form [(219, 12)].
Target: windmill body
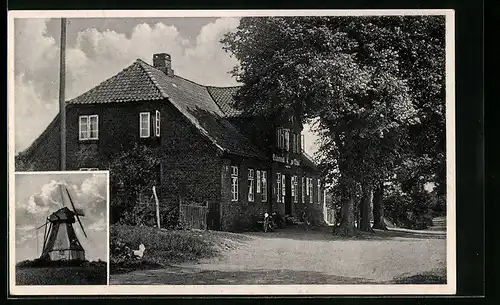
[(60, 242)]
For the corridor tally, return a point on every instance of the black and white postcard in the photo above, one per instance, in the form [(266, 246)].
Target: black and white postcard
[(248, 152)]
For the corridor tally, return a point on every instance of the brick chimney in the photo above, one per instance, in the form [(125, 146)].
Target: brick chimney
[(162, 62)]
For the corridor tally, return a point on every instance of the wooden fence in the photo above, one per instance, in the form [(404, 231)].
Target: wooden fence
[(194, 216)]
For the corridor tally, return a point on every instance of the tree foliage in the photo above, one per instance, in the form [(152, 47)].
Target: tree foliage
[(375, 86), (132, 172)]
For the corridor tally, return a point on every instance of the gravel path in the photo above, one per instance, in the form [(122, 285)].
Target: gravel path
[(298, 257)]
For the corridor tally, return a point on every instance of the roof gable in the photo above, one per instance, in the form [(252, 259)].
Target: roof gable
[(141, 81)]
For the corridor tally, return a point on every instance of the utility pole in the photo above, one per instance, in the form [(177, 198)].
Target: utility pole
[(62, 89), (157, 203)]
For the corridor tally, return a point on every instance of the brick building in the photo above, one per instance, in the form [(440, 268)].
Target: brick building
[(210, 152)]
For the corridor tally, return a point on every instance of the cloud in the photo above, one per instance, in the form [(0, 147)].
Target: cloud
[(48, 199), (88, 194), (100, 225)]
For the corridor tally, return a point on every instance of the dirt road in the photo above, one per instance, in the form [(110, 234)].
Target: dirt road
[(299, 257)]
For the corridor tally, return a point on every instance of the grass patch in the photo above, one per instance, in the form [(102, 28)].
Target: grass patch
[(163, 247), (61, 263), (89, 273)]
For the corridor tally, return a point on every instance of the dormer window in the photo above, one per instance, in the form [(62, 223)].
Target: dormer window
[(287, 140), (280, 138), (283, 139), (88, 127), (144, 125), (296, 143)]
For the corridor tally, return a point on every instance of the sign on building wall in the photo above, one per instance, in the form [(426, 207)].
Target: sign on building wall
[(286, 160)]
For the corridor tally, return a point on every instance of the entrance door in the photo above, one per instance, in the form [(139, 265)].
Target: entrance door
[(213, 217), (288, 195)]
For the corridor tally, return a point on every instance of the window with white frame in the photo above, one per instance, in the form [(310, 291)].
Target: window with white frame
[(258, 181), (303, 190), (144, 124), (264, 186), (295, 194), (281, 138), (310, 190), (94, 127), (157, 123), (283, 187), (234, 183), (287, 140), (307, 186), (278, 187), (88, 127), (251, 195), (319, 191), (278, 137)]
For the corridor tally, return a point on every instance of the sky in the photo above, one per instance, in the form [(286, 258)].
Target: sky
[(99, 48), (38, 195)]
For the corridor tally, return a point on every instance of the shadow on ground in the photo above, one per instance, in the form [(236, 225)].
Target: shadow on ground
[(193, 276), (437, 276), (327, 234)]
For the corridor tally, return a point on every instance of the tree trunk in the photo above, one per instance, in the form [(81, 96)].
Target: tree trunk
[(364, 209), (347, 219), (346, 227), (378, 208)]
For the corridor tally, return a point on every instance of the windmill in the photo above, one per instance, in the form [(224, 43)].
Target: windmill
[(60, 242)]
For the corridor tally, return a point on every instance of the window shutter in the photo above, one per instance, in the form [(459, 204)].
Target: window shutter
[(157, 123), (278, 142)]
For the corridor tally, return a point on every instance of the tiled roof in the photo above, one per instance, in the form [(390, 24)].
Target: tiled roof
[(131, 84), (224, 97), (194, 101), (141, 81)]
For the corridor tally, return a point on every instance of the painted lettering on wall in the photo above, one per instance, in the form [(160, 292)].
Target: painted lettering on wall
[(286, 160)]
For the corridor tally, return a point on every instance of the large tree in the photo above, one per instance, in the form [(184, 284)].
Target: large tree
[(355, 76)]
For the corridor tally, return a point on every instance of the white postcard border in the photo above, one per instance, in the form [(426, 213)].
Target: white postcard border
[(448, 289)]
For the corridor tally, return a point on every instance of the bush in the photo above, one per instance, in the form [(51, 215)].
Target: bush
[(145, 215), (314, 214), (409, 211)]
